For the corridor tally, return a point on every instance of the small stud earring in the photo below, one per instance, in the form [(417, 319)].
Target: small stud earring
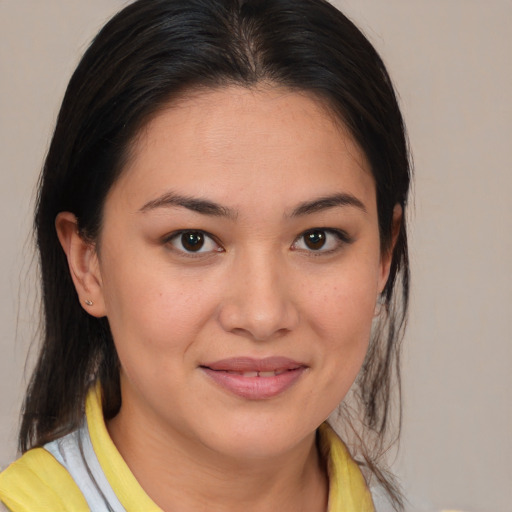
[(88, 302)]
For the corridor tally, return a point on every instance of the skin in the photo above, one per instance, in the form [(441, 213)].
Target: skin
[(256, 289)]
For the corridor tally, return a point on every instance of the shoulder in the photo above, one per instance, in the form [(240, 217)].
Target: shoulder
[(36, 481)]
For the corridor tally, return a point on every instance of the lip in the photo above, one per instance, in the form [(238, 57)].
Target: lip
[(255, 379)]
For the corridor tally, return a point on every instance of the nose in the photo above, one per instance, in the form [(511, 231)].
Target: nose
[(259, 302)]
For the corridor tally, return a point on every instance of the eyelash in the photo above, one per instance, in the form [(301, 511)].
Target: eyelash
[(207, 237), (342, 239)]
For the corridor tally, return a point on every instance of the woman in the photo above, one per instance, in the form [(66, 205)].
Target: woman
[(221, 226)]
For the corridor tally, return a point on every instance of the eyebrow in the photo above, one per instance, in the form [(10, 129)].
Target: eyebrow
[(206, 207), (199, 205), (326, 202)]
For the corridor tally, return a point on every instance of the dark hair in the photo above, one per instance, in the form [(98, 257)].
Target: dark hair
[(145, 56)]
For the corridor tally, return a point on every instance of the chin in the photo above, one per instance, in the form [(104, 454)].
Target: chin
[(256, 438)]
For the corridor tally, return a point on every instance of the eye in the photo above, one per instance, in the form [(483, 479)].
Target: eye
[(321, 240), (193, 242)]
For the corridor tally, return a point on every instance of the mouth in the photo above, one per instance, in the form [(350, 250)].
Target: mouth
[(255, 379), (272, 373)]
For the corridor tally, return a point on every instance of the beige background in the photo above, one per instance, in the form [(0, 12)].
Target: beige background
[(451, 63)]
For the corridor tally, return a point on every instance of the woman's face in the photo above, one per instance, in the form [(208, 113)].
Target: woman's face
[(239, 267)]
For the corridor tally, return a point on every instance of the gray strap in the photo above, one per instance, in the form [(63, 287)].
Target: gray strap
[(76, 453)]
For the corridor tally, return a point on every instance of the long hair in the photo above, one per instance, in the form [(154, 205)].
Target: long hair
[(150, 52)]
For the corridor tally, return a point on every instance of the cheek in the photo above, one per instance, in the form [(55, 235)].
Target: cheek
[(342, 316), (152, 310), (345, 303), (339, 317)]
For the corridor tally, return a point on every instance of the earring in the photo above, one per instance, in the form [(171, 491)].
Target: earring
[(88, 302)]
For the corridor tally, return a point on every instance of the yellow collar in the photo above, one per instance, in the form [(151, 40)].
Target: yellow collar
[(347, 488)]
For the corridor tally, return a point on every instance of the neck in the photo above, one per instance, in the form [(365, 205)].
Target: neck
[(177, 473)]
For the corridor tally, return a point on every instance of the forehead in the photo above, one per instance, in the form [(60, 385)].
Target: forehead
[(224, 141)]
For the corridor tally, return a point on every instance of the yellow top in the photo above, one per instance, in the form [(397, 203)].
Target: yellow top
[(37, 482)]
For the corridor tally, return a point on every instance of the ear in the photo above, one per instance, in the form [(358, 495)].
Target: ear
[(387, 256), (83, 264)]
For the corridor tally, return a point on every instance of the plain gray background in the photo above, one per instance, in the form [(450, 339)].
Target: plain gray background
[(450, 60)]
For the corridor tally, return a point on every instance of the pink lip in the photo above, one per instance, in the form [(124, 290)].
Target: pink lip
[(236, 375)]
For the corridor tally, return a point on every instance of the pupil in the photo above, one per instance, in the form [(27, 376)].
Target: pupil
[(315, 239), (192, 241)]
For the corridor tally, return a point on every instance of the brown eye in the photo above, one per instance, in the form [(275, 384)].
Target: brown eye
[(192, 241), (320, 241), (315, 240)]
